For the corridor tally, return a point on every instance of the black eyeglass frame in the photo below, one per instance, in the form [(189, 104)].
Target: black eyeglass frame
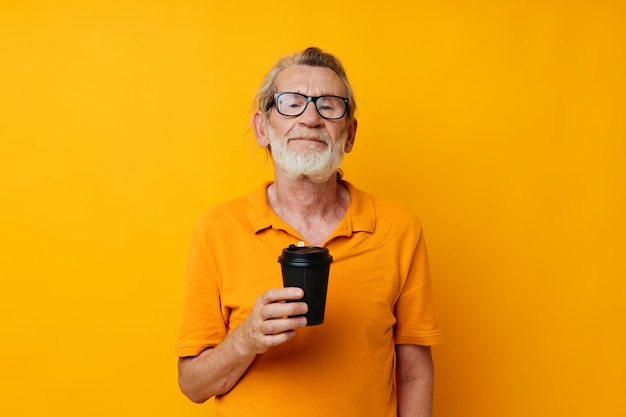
[(310, 99)]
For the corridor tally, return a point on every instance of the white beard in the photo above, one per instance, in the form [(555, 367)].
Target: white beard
[(311, 163)]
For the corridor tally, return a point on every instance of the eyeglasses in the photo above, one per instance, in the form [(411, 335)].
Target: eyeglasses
[(294, 104)]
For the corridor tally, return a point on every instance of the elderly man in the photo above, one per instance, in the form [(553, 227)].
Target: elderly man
[(241, 342)]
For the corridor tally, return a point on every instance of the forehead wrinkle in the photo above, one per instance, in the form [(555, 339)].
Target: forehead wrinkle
[(310, 81)]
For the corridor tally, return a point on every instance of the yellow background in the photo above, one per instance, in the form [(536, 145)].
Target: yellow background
[(500, 122)]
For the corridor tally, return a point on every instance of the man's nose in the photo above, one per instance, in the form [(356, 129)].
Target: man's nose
[(311, 117)]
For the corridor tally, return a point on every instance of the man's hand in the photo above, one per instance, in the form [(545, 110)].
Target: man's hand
[(217, 370), (269, 324)]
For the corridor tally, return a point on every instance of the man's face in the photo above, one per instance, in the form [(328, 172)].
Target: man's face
[(307, 145)]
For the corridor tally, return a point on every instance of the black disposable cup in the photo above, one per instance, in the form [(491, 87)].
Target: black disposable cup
[(307, 267)]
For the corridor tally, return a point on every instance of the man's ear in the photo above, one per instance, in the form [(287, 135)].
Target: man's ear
[(351, 136), (260, 129)]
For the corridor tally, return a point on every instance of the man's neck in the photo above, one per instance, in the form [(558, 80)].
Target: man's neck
[(313, 209)]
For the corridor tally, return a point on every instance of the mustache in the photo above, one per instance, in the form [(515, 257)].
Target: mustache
[(309, 133)]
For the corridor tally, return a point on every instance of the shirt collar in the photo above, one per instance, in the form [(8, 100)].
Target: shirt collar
[(360, 216)]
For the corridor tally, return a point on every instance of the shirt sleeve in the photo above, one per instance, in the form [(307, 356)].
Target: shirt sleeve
[(416, 319), (203, 322)]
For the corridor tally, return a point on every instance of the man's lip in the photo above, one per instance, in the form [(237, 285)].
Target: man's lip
[(309, 139)]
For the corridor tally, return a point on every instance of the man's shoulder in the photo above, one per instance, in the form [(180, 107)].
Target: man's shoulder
[(384, 207), (223, 208), (234, 210)]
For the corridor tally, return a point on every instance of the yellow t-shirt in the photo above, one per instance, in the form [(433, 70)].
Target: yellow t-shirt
[(379, 295)]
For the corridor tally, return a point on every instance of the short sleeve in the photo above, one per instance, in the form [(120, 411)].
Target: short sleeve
[(203, 321), (416, 319)]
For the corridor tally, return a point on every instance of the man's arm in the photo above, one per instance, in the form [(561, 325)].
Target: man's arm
[(217, 370), (414, 378)]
